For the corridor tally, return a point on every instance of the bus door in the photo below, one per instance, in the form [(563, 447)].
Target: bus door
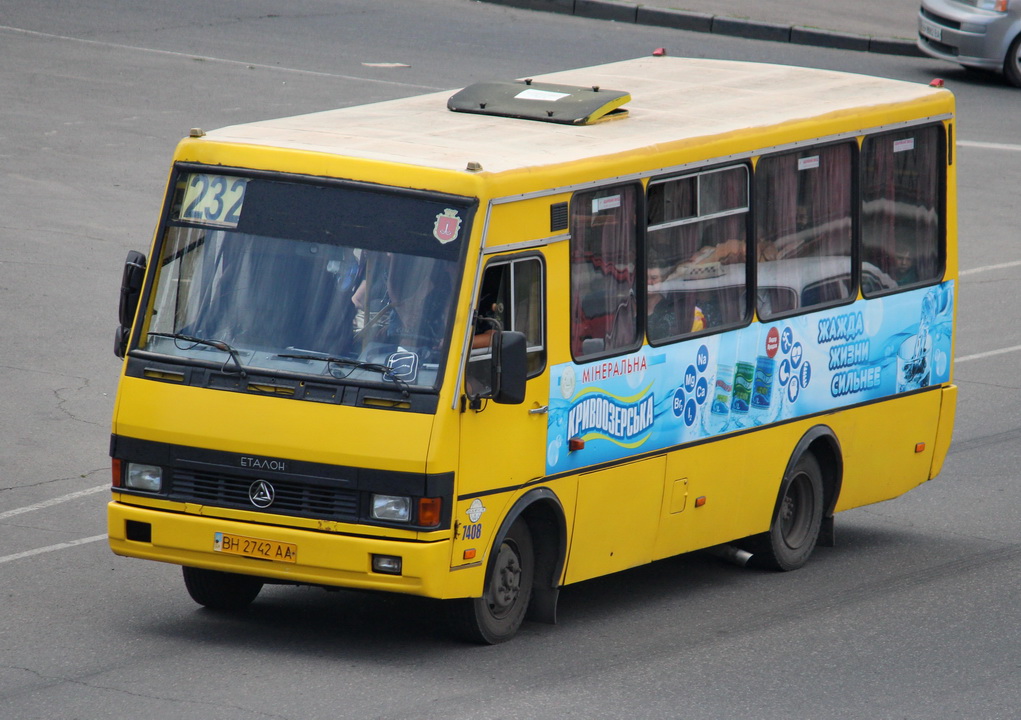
[(502, 446), (619, 500)]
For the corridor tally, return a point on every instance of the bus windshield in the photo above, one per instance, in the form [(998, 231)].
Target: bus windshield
[(335, 281)]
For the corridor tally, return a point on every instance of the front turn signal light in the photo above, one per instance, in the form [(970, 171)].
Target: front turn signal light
[(429, 510)]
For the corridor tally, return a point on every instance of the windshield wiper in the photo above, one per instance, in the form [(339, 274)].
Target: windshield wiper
[(217, 344), (386, 371)]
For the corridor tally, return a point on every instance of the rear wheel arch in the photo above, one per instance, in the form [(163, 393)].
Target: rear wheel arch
[(822, 442), (802, 515)]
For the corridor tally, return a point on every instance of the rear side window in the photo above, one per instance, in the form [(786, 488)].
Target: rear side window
[(604, 262), (804, 229), (902, 181)]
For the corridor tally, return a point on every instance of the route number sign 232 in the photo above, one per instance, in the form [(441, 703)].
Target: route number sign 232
[(213, 199)]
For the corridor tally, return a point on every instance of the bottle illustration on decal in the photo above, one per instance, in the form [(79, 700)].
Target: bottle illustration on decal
[(717, 419), (762, 385), (913, 361), (741, 396)]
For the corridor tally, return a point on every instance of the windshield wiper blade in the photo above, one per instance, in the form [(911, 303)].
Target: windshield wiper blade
[(386, 371), (217, 344)]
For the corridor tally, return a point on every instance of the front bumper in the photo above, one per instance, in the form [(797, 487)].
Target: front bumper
[(323, 558), (973, 38)]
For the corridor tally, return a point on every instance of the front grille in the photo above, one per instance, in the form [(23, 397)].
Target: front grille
[(945, 22), (306, 498)]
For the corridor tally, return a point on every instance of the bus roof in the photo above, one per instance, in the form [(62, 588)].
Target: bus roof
[(672, 100)]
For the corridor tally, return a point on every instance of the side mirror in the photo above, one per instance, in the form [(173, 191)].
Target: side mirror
[(510, 367), (131, 288), (120, 340)]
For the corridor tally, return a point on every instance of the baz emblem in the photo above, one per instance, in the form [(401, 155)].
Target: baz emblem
[(475, 510), (261, 494)]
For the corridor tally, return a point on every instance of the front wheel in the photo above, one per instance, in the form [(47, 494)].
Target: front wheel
[(496, 616), (796, 520), (1012, 63), (219, 590)]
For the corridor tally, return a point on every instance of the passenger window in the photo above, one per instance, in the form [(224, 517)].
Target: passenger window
[(901, 186), (804, 225), (696, 255), (604, 252), (510, 298)]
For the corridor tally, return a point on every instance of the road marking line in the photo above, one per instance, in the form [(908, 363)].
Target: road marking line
[(206, 58), (986, 268), (990, 353), (989, 145), (53, 501), (51, 548)]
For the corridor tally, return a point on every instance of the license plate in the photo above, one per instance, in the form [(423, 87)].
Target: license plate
[(255, 548), (930, 30)]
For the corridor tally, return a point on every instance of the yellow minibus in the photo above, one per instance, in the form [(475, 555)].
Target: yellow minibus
[(479, 345)]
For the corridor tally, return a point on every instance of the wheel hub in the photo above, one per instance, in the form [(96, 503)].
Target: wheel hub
[(507, 580), (793, 518)]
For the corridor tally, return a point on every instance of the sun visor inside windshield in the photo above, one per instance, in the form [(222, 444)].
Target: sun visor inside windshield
[(358, 218), (527, 100)]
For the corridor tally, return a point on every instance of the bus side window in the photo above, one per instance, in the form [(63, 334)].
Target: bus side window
[(901, 208), (604, 261), (804, 227), (510, 298), (696, 253)]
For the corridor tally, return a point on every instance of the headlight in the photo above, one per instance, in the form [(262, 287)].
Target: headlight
[(395, 508), (144, 477)]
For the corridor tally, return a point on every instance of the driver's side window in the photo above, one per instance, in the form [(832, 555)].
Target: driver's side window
[(510, 298)]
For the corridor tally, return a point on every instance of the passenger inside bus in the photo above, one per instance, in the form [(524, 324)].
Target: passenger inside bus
[(664, 313), (732, 251), (905, 267)]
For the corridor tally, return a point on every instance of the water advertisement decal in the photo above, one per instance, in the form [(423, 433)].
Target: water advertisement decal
[(764, 373)]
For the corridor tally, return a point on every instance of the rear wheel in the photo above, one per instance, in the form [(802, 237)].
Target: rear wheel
[(220, 590), (1012, 63), (496, 616), (797, 519)]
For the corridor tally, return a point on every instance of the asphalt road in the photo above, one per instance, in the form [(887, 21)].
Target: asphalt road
[(914, 614)]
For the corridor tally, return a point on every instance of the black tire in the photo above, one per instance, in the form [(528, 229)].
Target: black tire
[(496, 616), (1012, 63), (796, 518), (219, 590)]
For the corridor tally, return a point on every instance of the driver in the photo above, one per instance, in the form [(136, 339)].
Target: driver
[(415, 311)]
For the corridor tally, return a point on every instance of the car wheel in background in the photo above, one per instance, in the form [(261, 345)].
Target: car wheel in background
[(1012, 63)]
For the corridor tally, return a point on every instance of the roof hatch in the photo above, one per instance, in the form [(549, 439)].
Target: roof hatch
[(564, 104)]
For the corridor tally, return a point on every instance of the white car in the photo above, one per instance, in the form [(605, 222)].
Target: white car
[(783, 286)]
